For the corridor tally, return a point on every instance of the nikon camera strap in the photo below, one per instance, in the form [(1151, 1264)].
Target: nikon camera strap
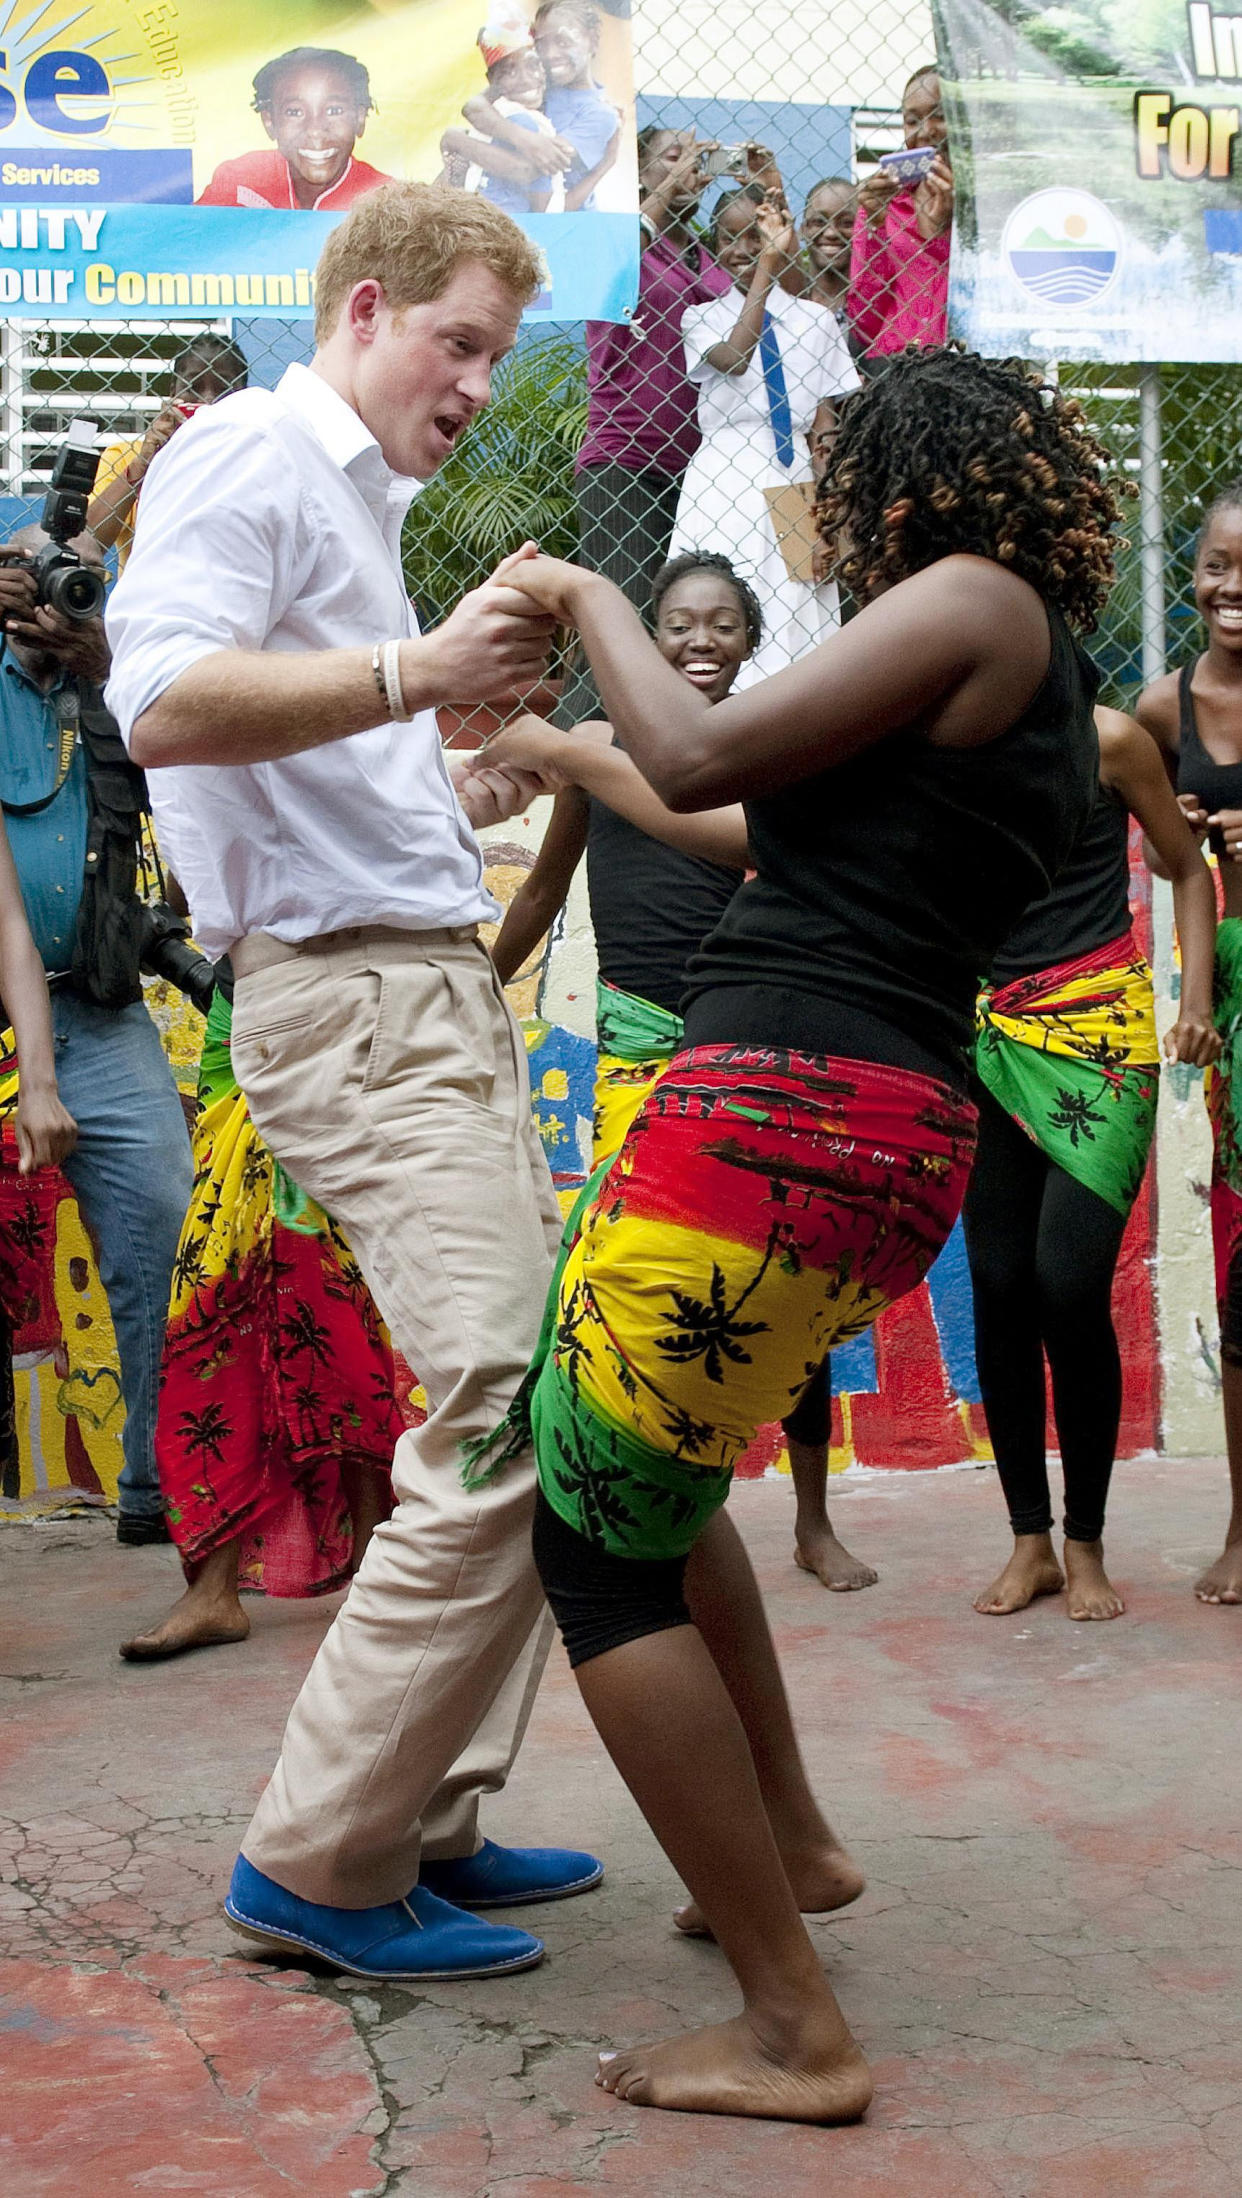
[(68, 722)]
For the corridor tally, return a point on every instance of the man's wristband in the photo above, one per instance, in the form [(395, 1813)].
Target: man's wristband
[(386, 672)]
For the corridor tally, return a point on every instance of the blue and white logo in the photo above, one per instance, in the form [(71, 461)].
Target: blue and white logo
[(1063, 246)]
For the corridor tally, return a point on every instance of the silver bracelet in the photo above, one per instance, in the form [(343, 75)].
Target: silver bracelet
[(390, 665)]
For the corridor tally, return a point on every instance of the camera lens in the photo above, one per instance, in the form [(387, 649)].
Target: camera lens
[(76, 591)]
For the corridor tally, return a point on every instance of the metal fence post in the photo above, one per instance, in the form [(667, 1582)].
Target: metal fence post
[(1151, 523)]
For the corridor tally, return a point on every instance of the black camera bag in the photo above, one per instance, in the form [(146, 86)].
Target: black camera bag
[(107, 944)]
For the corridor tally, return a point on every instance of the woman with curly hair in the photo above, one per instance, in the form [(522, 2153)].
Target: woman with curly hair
[(658, 884), (1068, 1070), (909, 787)]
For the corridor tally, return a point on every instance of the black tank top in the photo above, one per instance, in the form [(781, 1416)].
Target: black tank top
[(885, 885), (651, 907), (1089, 905), (1218, 785)]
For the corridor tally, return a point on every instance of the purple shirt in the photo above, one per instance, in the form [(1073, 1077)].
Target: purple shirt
[(642, 406)]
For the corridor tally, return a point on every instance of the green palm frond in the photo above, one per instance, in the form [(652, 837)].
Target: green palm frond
[(511, 480)]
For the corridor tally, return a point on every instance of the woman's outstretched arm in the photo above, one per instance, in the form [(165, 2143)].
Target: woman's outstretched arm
[(541, 895), (584, 758), (957, 650)]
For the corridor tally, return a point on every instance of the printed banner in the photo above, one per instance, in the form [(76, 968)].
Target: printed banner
[(161, 160), (1095, 149)]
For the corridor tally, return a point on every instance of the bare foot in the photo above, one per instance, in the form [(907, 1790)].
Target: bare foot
[(1222, 1582), (822, 1880), (817, 2076), (1032, 1570), (197, 1621), (1090, 1592), (817, 1550)]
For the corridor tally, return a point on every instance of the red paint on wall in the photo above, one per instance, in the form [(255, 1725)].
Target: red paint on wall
[(913, 1419)]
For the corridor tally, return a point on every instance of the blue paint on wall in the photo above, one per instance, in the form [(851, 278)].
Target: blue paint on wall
[(953, 1307)]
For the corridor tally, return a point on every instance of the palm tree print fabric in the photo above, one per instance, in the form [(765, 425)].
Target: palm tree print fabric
[(1071, 1054), (28, 1206), (1224, 1102), (278, 1375), (636, 1041), (764, 1207)]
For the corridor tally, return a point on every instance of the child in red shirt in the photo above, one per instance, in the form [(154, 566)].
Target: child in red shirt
[(313, 102)]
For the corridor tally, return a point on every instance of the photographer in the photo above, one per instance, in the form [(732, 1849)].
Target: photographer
[(72, 806), (206, 370), (899, 271)]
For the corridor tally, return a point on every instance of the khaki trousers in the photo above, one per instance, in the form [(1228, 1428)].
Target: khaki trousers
[(386, 1073)]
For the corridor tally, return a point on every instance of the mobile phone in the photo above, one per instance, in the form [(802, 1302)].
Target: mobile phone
[(725, 160), (911, 164), (187, 411)]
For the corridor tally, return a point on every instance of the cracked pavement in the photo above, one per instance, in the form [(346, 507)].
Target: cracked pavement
[(1044, 1968)]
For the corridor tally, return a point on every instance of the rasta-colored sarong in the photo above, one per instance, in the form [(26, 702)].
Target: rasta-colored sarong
[(764, 1207), (278, 1377), (636, 1041), (1224, 1103), (1071, 1054)]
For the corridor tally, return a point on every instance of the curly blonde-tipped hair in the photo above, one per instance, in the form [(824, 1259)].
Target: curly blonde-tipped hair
[(945, 452), (411, 238)]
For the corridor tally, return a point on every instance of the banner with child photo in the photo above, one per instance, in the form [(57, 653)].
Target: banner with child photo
[(162, 161)]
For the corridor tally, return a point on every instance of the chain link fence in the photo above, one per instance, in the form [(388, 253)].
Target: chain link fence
[(621, 444)]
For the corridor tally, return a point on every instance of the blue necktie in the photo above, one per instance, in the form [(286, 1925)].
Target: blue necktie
[(778, 396)]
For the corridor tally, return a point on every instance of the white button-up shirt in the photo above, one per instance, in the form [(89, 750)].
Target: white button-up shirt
[(270, 521)]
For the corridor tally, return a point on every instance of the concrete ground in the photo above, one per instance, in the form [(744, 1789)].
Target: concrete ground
[(1044, 1969)]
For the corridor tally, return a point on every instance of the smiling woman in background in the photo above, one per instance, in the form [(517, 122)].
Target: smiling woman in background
[(899, 276), (1196, 717), (827, 233)]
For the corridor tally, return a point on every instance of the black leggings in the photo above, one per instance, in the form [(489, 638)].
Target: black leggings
[(601, 1601), (1043, 1251)]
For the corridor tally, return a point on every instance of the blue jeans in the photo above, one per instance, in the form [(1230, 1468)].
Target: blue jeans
[(131, 1173)]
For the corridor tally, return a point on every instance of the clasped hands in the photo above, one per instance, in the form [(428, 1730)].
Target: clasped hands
[(517, 764)]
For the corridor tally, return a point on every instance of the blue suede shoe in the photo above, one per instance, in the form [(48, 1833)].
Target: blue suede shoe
[(509, 1877), (407, 1941)]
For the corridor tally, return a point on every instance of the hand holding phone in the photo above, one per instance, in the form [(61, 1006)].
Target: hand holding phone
[(910, 165), (724, 160)]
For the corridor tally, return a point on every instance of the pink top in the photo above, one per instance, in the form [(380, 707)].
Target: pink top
[(899, 281)]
